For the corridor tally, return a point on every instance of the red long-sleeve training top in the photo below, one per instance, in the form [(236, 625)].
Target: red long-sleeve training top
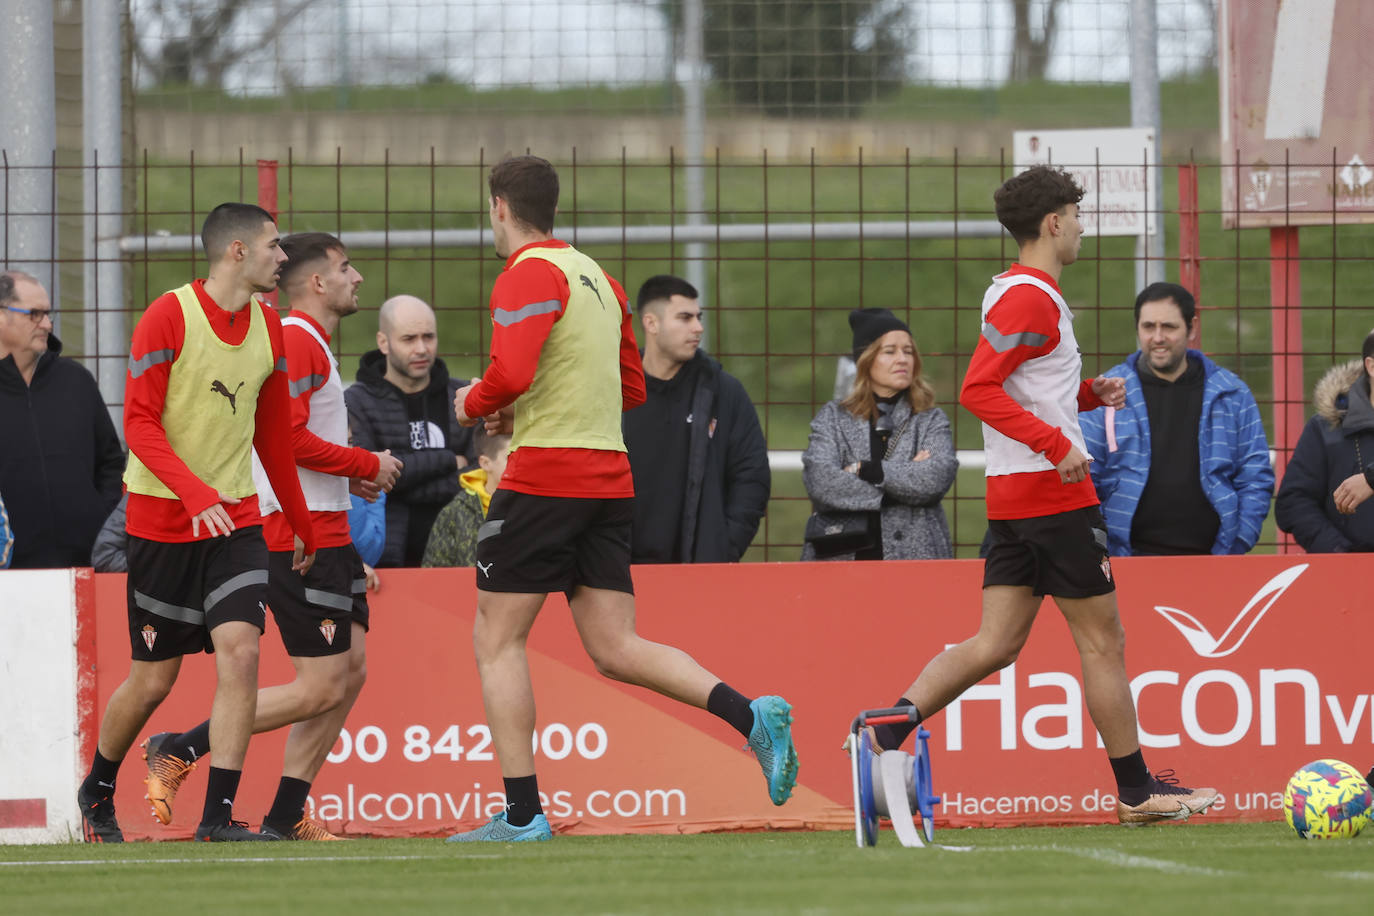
[(515, 348), (169, 520)]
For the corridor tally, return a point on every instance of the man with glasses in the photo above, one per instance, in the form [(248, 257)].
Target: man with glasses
[(61, 465)]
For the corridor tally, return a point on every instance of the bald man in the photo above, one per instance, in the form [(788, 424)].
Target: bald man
[(403, 402)]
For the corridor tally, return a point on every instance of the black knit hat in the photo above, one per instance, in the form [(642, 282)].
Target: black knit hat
[(870, 325)]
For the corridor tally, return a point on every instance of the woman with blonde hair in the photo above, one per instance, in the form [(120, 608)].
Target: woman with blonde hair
[(879, 461)]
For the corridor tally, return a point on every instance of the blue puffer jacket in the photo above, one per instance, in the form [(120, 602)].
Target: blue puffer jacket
[(1237, 476), (6, 537)]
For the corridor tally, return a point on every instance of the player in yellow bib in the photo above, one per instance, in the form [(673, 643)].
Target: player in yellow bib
[(564, 365)]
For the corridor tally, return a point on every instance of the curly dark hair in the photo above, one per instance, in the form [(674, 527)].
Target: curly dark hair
[(1025, 199)]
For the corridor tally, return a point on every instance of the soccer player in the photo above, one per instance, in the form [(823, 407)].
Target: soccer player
[(206, 385), (323, 616), (563, 345), (1047, 536)]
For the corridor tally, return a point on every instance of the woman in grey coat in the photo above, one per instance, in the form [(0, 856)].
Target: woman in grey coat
[(881, 459)]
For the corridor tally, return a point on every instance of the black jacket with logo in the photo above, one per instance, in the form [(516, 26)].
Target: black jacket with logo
[(725, 491), (61, 462), (381, 416)]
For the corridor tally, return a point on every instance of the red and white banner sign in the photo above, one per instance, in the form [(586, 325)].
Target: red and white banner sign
[(1244, 669), (1297, 127)]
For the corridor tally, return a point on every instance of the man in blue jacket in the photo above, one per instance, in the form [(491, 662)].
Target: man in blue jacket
[(1183, 467)]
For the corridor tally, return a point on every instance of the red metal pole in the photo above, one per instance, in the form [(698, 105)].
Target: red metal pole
[(267, 199), (1189, 242), (1285, 296)]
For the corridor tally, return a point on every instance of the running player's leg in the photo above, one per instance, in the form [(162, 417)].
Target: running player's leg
[(606, 623), (320, 684), (311, 740), (235, 614), (603, 608), (313, 614), (130, 706), (165, 589), (1101, 641), (524, 551), (1011, 599), (1077, 571), (1141, 797), (498, 637), (133, 702), (1008, 613), (308, 746), (231, 715)]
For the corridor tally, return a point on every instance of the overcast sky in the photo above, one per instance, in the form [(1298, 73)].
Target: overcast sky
[(547, 43)]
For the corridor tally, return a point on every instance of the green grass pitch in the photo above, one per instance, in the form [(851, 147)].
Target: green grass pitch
[(1199, 867)]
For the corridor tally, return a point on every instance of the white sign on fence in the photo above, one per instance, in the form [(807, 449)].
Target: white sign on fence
[(1111, 165)]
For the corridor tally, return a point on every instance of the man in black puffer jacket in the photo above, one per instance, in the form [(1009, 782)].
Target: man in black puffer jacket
[(61, 462), (403, 401)]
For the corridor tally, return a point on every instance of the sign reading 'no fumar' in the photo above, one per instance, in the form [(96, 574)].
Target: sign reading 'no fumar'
[(1111, 166)]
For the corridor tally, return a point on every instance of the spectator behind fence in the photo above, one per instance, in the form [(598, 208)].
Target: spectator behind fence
[(1183, 466), (110, 553), (879, 461), (453, 540), (698, 456), (1321, 501), (61, 462), (367, 521), (403, 401), (6, 537)]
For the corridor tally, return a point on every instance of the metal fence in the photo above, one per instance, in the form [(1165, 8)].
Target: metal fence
[(787, 249), (795, 159)]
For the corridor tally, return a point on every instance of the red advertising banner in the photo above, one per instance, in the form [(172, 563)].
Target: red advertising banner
[(1244, 669)]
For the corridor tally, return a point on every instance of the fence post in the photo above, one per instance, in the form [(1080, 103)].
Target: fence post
[(28, 135), (1189, 242), (1285, 296), (102, 123)]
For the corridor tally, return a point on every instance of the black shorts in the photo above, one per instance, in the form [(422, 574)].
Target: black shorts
[(178, 593), (540, 544), (1063, 555), (315, 612)]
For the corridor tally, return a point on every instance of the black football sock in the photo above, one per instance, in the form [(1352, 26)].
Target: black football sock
[(192, 745), (223, 785), (289, 806), (522, 800), (100, 782), (891, 736), (1132, 778), (725, 702)]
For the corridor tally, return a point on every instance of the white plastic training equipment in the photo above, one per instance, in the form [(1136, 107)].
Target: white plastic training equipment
[(891, 784)]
